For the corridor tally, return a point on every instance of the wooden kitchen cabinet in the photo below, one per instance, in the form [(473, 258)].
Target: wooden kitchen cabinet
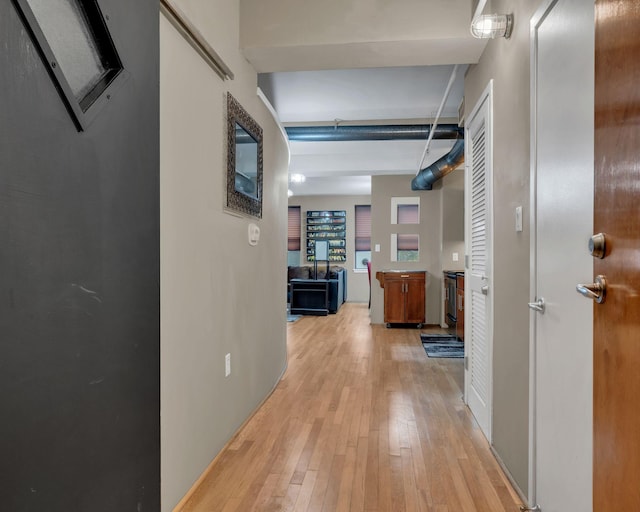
[(404, 297)]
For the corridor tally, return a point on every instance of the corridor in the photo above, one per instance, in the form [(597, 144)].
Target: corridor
[(361, 421)]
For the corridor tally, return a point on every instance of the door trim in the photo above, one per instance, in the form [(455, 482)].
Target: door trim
[(485, 98), (536, 21)]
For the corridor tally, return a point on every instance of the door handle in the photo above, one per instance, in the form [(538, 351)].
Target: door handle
[(538, 306), (485, 289), (596, 291)]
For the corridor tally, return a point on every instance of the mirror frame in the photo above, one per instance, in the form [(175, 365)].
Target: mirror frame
[(236, 200)]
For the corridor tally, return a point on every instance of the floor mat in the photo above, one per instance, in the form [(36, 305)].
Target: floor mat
[(442, 345)]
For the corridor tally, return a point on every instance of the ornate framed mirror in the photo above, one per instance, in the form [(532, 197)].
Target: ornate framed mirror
[(244, 161)]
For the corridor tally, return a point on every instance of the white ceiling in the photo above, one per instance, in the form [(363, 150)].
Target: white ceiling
[(361, 96), (359, 63)]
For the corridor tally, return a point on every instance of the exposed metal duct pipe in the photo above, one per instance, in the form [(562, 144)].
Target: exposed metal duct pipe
[(440, 168), (435, 122), (340, 133)]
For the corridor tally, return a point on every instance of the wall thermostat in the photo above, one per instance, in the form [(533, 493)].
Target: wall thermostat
[(254, 234)]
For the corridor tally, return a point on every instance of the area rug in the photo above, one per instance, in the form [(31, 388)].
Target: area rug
[(293, 318), (442, 345)]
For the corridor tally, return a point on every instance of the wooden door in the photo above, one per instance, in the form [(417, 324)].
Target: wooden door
[(394, 300), (414, 308), (617, 214), (79, 258)]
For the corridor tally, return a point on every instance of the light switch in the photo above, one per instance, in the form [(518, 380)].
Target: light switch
[(454, 256), (377, 247), (518, 219)]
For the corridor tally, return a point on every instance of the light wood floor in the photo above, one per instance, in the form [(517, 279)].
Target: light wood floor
[(363, 420)]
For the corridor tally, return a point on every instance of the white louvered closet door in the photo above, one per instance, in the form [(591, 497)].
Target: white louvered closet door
[(478, 326)]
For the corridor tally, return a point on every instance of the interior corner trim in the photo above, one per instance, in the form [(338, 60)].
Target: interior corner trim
[(193, 36)]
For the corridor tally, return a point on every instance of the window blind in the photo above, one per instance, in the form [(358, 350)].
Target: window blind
[(408, 214), (363, 227), (408, 242), (293, 229)]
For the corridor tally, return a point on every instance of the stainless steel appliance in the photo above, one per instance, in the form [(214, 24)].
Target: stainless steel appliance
[(450, 281)]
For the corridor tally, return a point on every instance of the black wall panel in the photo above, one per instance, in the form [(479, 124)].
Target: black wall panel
[(79, 279)]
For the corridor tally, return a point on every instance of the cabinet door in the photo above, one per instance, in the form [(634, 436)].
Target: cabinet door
[(414, 309), (394, 301)]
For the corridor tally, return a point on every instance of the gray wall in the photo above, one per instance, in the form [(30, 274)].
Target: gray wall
[(219, 295), (357, 282), (383, 188), (441, 233), (507, 63), (453, 220), (356, 33)]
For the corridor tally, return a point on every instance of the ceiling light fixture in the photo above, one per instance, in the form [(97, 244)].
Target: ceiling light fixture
[(490, 26), (297, 178)]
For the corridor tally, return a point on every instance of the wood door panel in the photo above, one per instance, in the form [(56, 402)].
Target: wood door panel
[(394, 299), (617, 213), (415, 301)]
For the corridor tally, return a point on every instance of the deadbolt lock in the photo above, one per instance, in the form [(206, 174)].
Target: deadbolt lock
[(598, 245)]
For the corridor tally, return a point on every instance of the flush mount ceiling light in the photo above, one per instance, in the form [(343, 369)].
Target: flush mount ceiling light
[(490, 26), (297, 178)]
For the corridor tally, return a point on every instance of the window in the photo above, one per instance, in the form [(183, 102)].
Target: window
[(408, 214), (78, 50), (408, 247), (405, 210), (293, 236), (363, 236), (405, 247)]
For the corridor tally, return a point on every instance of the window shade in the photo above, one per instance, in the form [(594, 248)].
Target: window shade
[(408, 242), (293, 229), (363, 227), (408, 214)]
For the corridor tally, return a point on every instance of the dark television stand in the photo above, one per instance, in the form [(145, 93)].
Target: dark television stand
[(311, 296)]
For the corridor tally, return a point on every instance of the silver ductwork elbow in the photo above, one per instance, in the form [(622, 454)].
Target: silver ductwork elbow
[(440, 168)]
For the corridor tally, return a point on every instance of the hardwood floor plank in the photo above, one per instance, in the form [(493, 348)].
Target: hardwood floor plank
[(358, 487), (304, 496), (305, 456), (343, 503), (362, 421)]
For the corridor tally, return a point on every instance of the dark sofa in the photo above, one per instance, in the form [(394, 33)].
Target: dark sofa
[(337, 282)]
